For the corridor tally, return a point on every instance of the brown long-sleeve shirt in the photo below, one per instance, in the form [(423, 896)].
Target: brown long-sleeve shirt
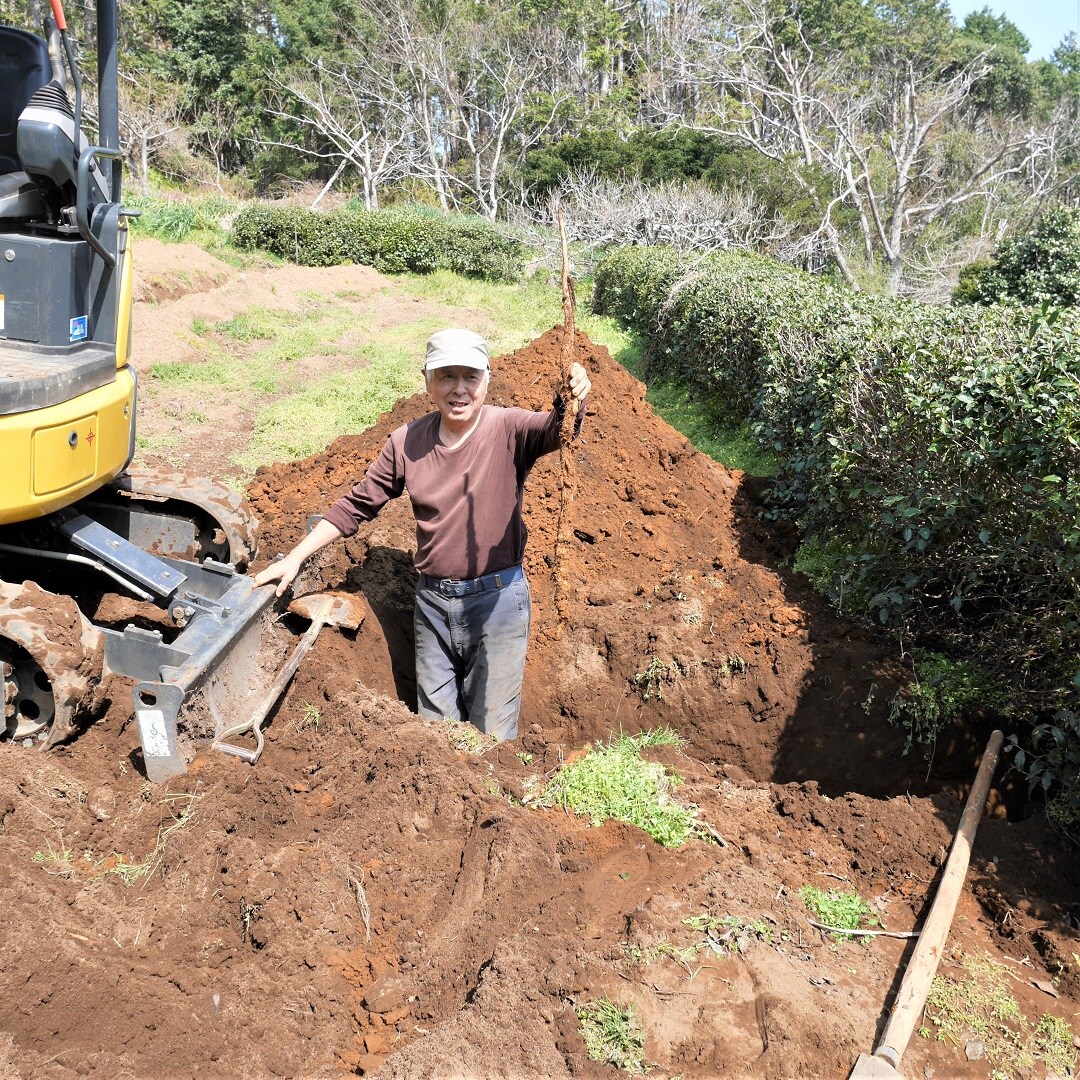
[(466, 498)]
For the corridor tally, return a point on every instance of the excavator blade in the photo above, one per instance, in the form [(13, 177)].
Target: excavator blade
[(188, 690)]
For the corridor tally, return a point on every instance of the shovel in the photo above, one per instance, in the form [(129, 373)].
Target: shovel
[(884, 1063), (323, 609)]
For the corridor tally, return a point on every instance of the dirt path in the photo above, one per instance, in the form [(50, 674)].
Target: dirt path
[(372, 899)]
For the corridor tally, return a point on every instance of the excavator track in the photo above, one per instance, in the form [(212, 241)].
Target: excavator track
[(51, 662), (179, 515)]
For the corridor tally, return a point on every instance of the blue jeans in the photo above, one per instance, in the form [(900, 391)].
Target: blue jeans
[(470, 655)]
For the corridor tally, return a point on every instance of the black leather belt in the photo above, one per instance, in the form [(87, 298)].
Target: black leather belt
[(457, 587)]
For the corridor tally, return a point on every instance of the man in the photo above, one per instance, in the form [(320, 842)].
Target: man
[(464, 467)]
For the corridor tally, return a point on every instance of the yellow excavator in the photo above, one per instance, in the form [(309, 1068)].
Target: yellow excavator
[(103, 569)]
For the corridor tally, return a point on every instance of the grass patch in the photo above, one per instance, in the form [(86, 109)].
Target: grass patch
[(842, 910), (733, 446), (230, 367), (225, 374), (307, 422), (613, 1035), (978, 1006), (614, 781), (823, 561)]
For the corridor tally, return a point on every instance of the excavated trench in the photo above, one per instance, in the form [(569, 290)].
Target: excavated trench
[(681, 611)]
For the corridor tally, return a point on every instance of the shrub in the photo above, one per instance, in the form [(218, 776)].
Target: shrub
[(943, 692), (390, 240), (1041, 266), (932, 453)]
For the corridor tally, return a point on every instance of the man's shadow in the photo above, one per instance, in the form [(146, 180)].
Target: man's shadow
[(387, 578)]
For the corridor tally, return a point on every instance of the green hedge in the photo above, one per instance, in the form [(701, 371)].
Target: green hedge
[(390, 240), (933, 452)]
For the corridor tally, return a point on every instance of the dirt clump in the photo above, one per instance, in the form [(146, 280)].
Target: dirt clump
[(373, 900)]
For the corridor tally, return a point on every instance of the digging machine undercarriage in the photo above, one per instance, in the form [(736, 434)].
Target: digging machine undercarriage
[(103, 570)]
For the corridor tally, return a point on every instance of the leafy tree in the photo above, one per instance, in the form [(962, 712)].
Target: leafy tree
[(645, 155), (994, 29), (216, 52), (1038, 267)]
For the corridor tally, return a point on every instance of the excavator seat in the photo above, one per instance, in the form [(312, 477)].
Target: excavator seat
[(24, 69)]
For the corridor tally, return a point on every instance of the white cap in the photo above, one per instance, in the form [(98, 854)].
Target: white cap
[(456, 348)]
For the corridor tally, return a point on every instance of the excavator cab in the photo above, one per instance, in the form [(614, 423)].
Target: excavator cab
[(103, 569), (67, 394)]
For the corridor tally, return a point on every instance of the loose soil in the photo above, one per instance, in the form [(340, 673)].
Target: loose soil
[(370, 899)]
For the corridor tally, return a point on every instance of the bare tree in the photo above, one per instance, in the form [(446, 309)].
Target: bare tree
[(149, 114), (898, 141), (472, 85), (688, 216), (360, 116)]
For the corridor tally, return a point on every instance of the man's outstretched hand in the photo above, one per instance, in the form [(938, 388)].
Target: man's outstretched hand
[(579, 381)]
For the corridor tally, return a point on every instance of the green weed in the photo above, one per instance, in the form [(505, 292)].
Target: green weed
[(657, 674), (823, 562), (729, 932), (979, 1005), (613, 781), (58, 861), (177, 220), (613, 1035), (841, 910), (310, 718), (716, 934)]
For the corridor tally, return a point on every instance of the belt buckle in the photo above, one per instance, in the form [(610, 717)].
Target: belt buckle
[(450, 586)]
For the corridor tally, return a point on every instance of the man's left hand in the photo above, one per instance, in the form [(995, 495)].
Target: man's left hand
[(579, 381)]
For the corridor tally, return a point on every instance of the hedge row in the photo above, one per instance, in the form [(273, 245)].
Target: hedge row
[(932, 452), (390, 240)]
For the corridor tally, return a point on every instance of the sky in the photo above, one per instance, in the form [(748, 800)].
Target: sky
[(1043, 22)]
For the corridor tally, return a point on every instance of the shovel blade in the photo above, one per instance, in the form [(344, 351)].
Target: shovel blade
[(342, 610), (869, 1067)]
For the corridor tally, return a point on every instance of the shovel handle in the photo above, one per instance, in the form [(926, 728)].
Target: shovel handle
[(277, 688), (915, 986)]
